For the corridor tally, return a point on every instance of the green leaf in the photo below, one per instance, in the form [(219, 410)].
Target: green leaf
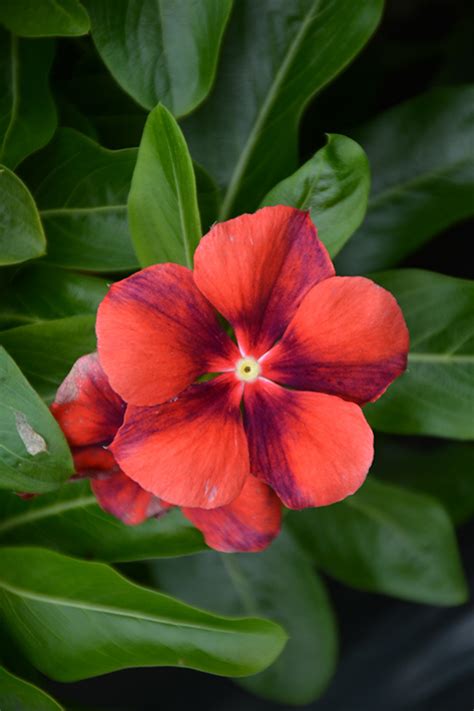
[(27, 112), (163, 51), (163, 209), (278, 583), (276, 55), (34, 456), (334, 186), (387, 540), (30, 18), (47, 350), (69, 520), (443, 469), (422, 159), (40, 292), (435, 396), (19, 695), (21, 233), (209, 197), (81, 190), (49, 600)]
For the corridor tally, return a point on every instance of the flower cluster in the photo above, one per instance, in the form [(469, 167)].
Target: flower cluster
[(229, 416)]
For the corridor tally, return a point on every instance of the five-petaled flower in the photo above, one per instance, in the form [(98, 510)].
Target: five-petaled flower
[(281, 405)]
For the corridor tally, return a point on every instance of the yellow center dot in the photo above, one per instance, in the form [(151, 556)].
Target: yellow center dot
[(248, 369)]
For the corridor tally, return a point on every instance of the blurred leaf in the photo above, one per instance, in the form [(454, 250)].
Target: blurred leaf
[(47, 350), (278, 583), (437, 467), (27, 112), (34, 456), (19, 695), (40, 292), (21, 233), (387, 540), (163, 51), (163, 209), (49, 599), (436, 394), (81, 189), (276, 55), (70, 521), (209, 198), (421, 155), (30, 18), (334, 186)]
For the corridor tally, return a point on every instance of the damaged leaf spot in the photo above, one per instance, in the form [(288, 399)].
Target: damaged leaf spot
[(34, 442)]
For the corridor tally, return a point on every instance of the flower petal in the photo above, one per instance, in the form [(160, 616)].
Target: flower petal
[(348, 338), (157, 334), (93, 460), (255, 269), (86, 408), (312, 449), (191, 451), (118, 495), (247, 524)]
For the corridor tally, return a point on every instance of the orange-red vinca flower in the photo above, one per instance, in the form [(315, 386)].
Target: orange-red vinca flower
[(280, 418)]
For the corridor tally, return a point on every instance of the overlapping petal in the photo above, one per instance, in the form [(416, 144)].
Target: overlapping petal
[(255, 269), (247, 524), (348, 338), (191, 451), (87, 409), (157, 334), (125, 499), (312, 449)]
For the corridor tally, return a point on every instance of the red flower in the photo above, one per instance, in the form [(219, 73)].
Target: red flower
[(285, 405), (90, 413)]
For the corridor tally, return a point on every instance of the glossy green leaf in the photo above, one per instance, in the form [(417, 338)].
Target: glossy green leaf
[(163, 209), (40, 292), (69, 520), (334, 186), (387, 540), (209, 198), (34, 456), (276, 55), (81, 190), (30, 18), (47, 350), (437, 467), (21, 233), (27, 112), (436, 394), (49, 599), (278, 583), (422, 159), (19, 695), (161, 51)]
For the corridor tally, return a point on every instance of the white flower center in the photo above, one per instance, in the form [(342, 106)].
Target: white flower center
[(247, 369)]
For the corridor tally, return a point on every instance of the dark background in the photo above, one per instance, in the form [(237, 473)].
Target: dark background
[(394, 656)]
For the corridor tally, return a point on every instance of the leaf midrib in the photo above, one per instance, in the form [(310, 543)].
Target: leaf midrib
[(45, 512)]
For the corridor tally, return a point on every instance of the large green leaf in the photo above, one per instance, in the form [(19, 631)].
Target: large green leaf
[(278, 583), (46, 351), (387, 540), (30, 18), (438, 467), (34, 456), (40, 292), (21, 233), (81, 190), (334, 186), (49, 600), (161, 50), (276, 55), (436, 394), (19, 695), (70, 521), (422, 159), (163, 208), (27, 113)]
